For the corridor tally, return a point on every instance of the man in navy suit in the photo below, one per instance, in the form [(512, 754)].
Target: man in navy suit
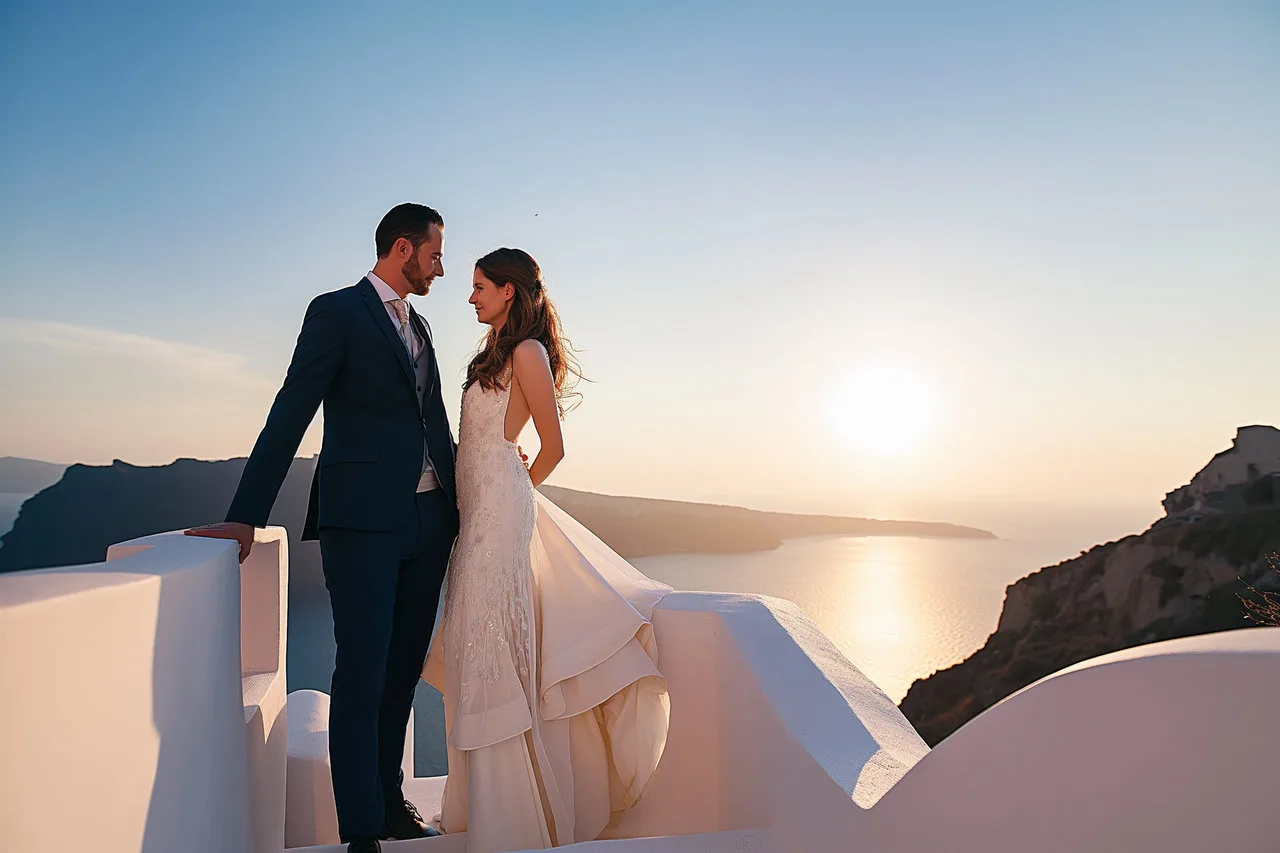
[(383, 505)]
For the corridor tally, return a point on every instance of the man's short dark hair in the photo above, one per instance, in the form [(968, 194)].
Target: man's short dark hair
[(410, 221)]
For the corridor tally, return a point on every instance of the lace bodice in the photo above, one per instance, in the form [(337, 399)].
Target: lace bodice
[(483, 449)]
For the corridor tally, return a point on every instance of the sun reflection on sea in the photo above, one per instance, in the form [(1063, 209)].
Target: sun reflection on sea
[(874, 594), (899, 608)]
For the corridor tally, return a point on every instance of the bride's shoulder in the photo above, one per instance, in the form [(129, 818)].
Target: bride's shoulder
[(529, 349), (529, 360)]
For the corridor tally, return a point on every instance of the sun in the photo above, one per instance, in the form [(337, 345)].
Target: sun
[(884, 409)]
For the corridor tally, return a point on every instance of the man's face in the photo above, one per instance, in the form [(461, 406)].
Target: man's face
[(426, 264)]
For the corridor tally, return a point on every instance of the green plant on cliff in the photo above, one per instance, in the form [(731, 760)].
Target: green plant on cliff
[(1262, 606)]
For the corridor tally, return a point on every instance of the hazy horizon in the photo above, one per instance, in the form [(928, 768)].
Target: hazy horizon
[(934, 262), (1068, 526)]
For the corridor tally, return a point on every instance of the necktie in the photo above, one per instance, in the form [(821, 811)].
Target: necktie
[(402, 314)]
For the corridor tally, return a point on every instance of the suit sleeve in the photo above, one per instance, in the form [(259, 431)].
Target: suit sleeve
[(316, 359)]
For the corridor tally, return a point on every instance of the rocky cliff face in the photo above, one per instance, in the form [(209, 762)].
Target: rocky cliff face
[(1172, 581)]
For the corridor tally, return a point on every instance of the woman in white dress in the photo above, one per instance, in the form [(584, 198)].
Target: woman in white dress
[(556, 713)]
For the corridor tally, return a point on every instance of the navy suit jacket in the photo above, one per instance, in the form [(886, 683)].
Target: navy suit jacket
[(349, 357)]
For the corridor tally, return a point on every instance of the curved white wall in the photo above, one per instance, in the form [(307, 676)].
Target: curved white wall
[(1163, 747), (769, 722)]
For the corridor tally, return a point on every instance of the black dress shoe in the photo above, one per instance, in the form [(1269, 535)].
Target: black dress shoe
[(365, 845), (405, 822)]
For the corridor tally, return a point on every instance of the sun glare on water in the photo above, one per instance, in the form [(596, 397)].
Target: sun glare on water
[(884, 410)]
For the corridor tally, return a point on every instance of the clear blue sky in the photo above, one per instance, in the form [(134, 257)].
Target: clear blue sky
[(1062, 220)]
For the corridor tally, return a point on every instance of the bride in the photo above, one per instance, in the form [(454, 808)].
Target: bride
[(555, 711)]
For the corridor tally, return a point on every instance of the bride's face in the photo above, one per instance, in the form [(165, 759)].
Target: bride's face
[(490, 301)]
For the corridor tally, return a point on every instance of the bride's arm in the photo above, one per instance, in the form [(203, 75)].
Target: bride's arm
[(533, 374)]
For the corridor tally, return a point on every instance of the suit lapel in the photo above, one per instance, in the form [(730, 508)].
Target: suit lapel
[(421, 325), (382, 320), (428, 351)]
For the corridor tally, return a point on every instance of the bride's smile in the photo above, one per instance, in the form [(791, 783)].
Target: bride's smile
[(492, 303)]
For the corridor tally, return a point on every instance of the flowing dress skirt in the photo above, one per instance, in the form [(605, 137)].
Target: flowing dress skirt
[(555, 710)]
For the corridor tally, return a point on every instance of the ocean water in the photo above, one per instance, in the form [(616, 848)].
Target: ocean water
[(899, 608)]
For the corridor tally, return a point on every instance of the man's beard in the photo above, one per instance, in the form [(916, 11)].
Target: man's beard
[(419, 282)]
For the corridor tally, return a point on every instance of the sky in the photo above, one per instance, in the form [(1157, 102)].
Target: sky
[(1033, 247)]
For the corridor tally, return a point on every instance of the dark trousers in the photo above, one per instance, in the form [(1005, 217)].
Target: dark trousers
[(384, 588)]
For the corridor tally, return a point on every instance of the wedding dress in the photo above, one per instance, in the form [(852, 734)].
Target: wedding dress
[(556, 713)]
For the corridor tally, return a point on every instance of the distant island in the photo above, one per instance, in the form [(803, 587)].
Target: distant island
[(27, 476), (642, 527), (91, 507)]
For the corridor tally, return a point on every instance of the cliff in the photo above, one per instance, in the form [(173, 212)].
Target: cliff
[(1172, 581), (92, 507)]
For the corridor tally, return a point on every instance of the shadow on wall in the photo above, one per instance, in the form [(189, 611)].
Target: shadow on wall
[(196, 660)]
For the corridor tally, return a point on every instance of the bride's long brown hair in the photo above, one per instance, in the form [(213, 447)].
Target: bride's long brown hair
[(532, 315)]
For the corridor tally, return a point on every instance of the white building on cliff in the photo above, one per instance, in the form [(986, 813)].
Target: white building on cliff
[(1221, 484)]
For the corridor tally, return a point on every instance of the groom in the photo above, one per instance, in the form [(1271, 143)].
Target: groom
[(383, 506)]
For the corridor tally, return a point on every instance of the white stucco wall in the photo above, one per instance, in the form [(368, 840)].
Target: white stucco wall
[(768, 721), (125, 724), (1164, 747)]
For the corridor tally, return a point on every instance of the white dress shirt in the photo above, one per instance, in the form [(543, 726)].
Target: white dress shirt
[(387, 295), (428, 480)]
